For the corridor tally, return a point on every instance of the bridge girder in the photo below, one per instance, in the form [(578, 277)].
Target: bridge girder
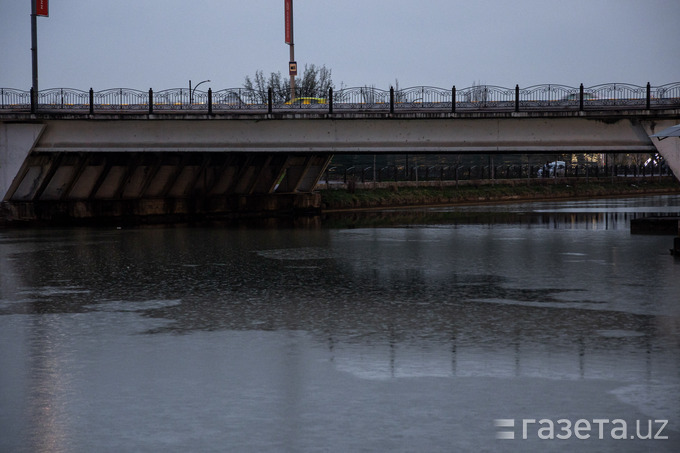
[(439, 134)]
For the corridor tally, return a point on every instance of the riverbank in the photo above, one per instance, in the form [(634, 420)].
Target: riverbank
[(432, 193)]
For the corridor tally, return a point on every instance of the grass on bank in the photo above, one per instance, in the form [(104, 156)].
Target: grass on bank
[(395, 196)]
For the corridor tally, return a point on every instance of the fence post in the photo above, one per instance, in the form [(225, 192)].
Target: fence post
[(91, 101), (453, 99), (150, 101), (33, 100), (210, 112), (330, 100), (516, 98), (649, 96), (391, 99), (269, 100), (580, 98)]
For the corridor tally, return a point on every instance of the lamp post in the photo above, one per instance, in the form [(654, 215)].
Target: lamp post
[(191, 92)]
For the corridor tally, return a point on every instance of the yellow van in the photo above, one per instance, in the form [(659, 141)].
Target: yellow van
[(306, 101)]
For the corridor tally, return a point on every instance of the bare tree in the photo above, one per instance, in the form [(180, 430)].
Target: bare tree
[(260, 85), (315, 82)]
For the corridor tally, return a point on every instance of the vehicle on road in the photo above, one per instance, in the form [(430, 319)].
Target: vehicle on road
[(556, 168), (306, 101)]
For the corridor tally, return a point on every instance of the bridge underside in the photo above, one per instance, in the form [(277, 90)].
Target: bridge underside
[(158, 186)]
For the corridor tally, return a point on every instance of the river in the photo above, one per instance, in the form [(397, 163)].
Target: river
[(439, 330)]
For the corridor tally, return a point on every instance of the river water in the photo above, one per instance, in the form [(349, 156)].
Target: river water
[(413, 331)]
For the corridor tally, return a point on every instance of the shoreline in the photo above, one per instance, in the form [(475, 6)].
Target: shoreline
[(363, 199), (443, 193)]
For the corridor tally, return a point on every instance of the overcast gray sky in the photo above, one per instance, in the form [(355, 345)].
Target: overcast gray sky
[(163, 44)]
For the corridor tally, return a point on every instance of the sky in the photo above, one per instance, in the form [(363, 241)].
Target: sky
[(164, 44)]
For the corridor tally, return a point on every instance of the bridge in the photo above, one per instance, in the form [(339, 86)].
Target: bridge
[(69, 154)]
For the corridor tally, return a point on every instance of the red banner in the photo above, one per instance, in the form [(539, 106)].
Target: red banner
[(41, 8), (288, 7)]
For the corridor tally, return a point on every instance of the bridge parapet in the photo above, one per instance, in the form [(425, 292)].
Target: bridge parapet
[(423, 98)]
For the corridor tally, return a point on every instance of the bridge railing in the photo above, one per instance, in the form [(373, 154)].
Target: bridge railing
[(361, 98), (668, 94), (547, 96), (239, 99), (11, 98), (473, 98), (485, 96), (121, 99), (423, 97), (340, 174)]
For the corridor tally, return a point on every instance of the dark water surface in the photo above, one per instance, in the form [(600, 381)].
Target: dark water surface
[(411, 337)]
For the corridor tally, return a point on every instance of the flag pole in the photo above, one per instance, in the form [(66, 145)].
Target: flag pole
[(292, 54), (34, 50)]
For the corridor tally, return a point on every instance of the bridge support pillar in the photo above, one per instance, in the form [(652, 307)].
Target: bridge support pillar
[(16, 142), (669, 148)]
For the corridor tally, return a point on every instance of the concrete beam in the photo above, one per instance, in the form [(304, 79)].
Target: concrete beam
[(313, 171), (78, 169), (328, 135)]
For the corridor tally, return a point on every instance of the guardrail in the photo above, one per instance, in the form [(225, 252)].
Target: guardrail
[(474, 98)]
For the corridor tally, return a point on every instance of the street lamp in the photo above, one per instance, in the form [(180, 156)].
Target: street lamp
[(191, 92)]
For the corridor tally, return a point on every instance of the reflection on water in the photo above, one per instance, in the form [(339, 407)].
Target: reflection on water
[(414, 335), (593, 214)]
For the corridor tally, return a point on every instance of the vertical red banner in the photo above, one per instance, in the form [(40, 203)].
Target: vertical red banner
[(288, 7), (41, 8)]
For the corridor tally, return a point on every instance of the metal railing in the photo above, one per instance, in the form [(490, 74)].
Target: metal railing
[(474, 98), (452, 172)]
